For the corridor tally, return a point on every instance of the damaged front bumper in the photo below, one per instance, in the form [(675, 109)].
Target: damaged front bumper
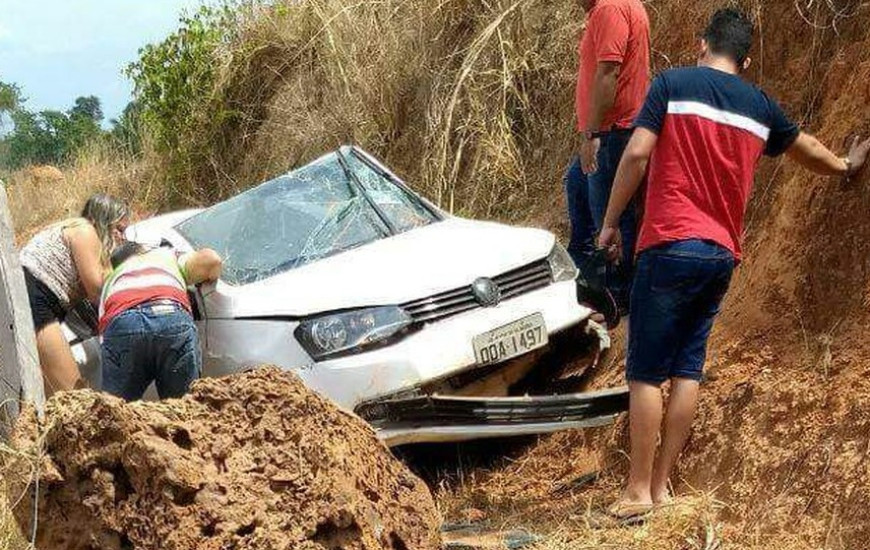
[(430, 419)]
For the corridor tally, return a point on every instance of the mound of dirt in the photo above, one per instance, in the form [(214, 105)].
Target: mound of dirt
[(45, 174), (253, 461)]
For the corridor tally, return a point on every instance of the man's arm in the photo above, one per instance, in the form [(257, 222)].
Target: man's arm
[(602, 96), (629, 176), (603, 93), (201, 266), (812, 155)]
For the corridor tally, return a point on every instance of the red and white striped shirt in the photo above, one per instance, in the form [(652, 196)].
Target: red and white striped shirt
[(158, 274)]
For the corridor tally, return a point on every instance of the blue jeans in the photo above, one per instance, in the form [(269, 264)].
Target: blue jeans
[(151, 342), (587, 197), (677, 292), (582, 243)]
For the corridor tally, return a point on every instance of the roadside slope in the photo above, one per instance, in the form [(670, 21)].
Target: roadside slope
[(779, 456)]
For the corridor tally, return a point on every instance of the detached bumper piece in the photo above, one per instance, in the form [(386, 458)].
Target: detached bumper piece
[(443, 418)]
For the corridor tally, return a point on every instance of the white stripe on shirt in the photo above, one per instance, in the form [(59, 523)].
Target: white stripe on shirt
[(143, 281), (718, 115)]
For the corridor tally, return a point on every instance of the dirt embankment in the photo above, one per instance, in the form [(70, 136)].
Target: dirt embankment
[(254, 461), (782, 442)]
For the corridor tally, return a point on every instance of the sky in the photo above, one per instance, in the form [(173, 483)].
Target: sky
[(57, 50)]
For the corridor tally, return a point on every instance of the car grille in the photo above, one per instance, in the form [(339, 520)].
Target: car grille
[(453, 302)]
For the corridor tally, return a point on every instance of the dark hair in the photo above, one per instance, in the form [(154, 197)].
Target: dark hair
[(730, 33), (124, 252)]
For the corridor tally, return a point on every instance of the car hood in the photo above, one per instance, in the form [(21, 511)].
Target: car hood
[(153, 230), (441, 256)]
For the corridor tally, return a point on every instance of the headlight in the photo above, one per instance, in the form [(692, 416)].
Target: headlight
[(561, 264), (350, 330)]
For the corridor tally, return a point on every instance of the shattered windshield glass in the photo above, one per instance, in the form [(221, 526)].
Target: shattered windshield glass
[(334, 204), (403, 211)]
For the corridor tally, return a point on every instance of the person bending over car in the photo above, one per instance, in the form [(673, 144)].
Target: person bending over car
[(64, 264), (146, 321)]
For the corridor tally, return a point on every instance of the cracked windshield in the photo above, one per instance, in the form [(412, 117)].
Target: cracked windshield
[(334, 204)]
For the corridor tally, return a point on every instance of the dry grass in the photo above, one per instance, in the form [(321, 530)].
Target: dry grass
[(10, 536), (471, 101), (17, 474), (562, 497), (42, 195), (568, 517)]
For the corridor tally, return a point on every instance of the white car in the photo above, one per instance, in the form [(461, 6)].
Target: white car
[(429, 326)]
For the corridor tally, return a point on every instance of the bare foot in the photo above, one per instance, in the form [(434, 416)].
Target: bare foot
[(662, 496)]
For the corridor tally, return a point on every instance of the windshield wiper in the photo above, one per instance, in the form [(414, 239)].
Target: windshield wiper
[(392, 178), (351, 176)]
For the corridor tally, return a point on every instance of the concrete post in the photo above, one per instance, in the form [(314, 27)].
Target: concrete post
[(20, 375)]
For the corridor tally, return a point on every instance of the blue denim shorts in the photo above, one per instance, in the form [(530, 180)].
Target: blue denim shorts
[(151, 343), (677, 292)]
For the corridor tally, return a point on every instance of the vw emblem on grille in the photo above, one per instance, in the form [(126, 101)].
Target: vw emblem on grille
[(486, 292)]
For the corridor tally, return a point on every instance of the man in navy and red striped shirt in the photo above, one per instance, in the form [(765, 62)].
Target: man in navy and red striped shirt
[(701, 133)]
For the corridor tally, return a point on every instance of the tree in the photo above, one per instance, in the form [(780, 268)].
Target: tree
[(173, 78), (29, 142), (46, 137), (88, 107), (82, 125), (10, 97), (126, 129)]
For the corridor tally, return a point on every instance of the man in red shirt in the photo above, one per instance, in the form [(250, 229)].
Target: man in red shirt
[(701, 133), (611, 84)]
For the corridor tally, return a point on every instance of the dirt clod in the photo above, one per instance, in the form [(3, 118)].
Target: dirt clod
[(254, 461)]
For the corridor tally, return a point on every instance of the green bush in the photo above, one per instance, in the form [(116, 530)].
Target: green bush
[(174, 81)]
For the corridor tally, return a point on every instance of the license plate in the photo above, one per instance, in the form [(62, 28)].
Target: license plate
[(511, 340)]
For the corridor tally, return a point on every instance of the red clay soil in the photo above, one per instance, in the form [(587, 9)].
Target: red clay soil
[(254, 461), (783, 435), (784, 430)]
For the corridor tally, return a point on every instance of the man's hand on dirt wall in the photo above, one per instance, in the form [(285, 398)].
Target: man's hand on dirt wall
[(858, 155)]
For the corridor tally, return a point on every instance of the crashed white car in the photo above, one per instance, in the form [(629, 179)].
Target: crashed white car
[(429, 326)]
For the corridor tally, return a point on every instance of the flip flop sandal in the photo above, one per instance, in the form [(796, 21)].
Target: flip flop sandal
[(603, 519), (630, 515)]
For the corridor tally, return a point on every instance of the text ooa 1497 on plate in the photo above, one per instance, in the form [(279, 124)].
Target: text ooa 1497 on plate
[(512, 340)]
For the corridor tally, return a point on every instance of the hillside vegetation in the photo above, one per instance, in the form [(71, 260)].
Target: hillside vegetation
[(472, 102)]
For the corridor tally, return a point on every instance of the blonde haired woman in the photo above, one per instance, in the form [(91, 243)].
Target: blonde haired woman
[(64, 263)]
